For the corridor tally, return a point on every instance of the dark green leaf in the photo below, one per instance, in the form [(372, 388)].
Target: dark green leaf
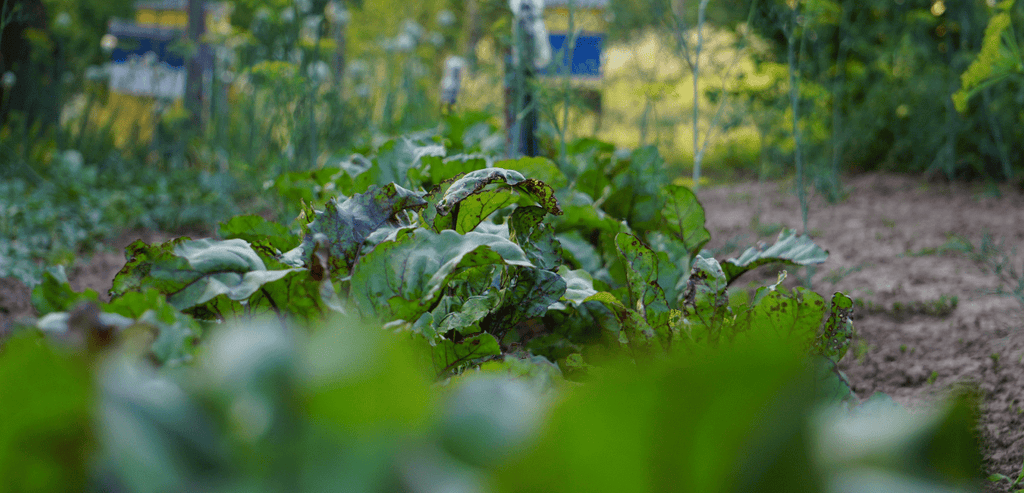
[(684, 218), (469, 200), (449, 355), (402, 279), (54, 294), (529, 294), (253, 228), (140, 260), (537, 240), (838, 330), (346, 226)]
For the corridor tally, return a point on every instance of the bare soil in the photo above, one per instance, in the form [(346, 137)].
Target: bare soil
[(888, 244)]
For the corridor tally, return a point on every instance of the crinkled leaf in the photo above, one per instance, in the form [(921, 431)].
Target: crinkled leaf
[(469, 200), (789, 248), (295, 293), (402, 279), (191, 272), (646, 298), (253, 228), (537, 240), (684, 218), (54, 294), (211, 256), (835, 336), (466, 319), (347, 225), (529, 294)]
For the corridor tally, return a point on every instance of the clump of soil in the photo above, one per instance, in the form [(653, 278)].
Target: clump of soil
[(892, 246)]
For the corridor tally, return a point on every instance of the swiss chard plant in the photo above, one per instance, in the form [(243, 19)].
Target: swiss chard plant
[(480, 259)]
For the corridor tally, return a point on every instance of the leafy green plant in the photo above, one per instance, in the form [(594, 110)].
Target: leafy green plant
[(258, 358)]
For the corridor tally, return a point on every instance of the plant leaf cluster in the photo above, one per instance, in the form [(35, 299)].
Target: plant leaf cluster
[(504, 288)]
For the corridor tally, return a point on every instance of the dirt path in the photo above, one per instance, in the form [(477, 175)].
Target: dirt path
[(889, 246)]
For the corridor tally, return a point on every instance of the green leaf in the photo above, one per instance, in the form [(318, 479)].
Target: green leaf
[(540, 168), (674, 262), (838, 330), (140, 258), (393, 161), (469, 200), (537, 240), (789, 249), (466, 319), (192, 272), (684, 217), (449, 355), (706, 315), (177, 333), (795, 315), (360, 381), (253, 228), (402, 279), (578, 250), (529, 294), (579, 286), (54, 294), (346, 226), (645, 295), (45, 436)]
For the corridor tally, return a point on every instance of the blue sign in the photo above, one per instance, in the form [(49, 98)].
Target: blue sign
[(586, 56)]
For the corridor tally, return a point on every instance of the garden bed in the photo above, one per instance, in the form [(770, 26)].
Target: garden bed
[(891, 246)]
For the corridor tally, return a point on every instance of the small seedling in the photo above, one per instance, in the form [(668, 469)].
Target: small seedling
[(1014, 482), (934, 376)]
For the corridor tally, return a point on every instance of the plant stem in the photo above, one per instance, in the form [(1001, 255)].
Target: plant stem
[(794, 96)]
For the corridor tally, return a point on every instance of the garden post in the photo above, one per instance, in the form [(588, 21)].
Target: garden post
[(198, 62), (520, 112)]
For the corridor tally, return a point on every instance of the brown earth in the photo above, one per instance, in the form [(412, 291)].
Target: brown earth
[(889, 245)]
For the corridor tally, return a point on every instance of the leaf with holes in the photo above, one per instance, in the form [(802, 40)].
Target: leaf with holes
[(474, 196), (837, 332), (795, 315)]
